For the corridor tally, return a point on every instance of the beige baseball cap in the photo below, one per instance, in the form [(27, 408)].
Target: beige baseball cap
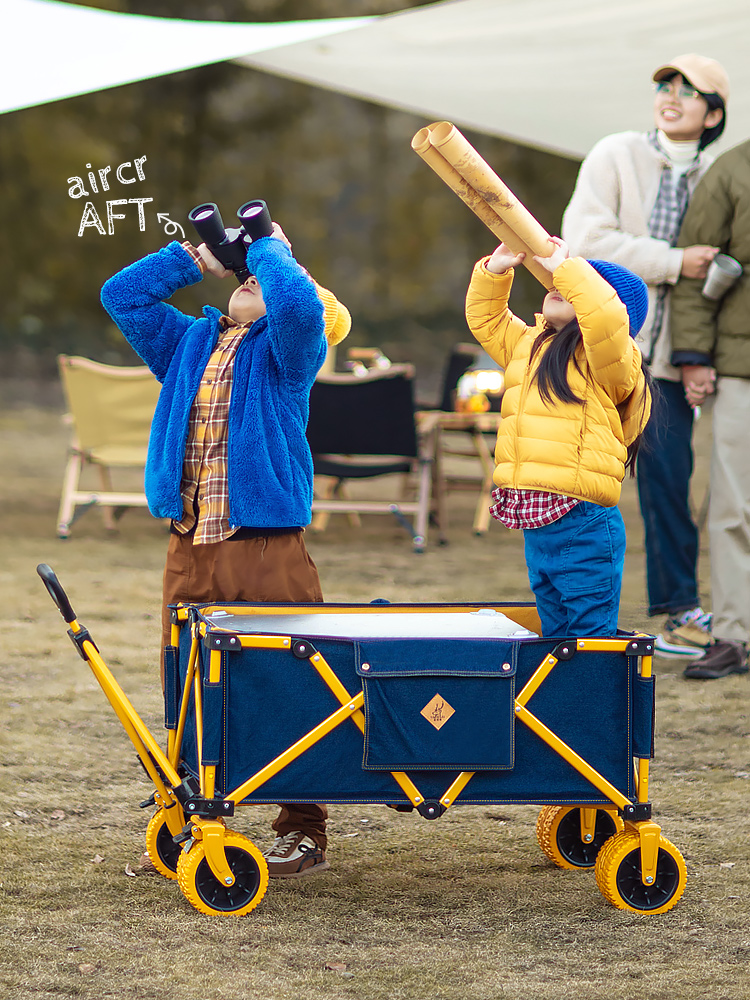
[(706, 75)]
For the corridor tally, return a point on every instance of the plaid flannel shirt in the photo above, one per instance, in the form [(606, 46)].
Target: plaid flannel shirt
[(664, 224), (529, 508), (205, 479)]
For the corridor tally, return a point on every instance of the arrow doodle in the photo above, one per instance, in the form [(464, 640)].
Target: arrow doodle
[(163, 217)]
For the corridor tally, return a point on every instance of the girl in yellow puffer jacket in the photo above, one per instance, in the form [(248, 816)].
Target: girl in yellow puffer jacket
[(577, 399)]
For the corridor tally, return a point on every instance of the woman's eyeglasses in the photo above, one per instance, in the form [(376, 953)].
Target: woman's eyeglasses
[(684, 91)]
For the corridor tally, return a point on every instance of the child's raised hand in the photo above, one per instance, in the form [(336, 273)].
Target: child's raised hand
[(279, 234), (504, 258), (213, 266), (556, 258)]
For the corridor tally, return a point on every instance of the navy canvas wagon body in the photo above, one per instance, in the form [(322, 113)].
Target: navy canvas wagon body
[(417, 707)]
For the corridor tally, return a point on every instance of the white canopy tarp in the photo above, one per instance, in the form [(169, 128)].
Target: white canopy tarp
[(544, 73), (54, 50)]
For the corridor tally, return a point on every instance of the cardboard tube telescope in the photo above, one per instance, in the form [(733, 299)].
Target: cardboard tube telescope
[(455, 161)]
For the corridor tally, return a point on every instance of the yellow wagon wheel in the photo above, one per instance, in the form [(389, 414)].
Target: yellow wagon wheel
[(162, 850), (206, 893), (558, 830), (618, 875)]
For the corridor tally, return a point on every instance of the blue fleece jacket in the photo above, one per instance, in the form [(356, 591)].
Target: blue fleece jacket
[(270, 466)]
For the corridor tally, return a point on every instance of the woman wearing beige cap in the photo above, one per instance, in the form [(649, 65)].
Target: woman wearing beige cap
[(631, 194)]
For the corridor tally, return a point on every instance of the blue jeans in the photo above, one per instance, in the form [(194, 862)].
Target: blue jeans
[(575, 569), (665, 465)]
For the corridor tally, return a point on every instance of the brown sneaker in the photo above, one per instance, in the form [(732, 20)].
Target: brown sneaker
[(295, 855), (721, 659)]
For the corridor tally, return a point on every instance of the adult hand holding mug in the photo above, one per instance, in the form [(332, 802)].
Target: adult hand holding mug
[(722, 273)]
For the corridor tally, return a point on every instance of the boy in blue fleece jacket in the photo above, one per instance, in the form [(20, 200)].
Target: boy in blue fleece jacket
[(228, 460)]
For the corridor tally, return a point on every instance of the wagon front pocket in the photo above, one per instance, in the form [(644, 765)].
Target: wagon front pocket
[(437, 704)]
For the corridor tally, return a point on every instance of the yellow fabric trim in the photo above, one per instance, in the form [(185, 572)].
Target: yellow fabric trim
[(338, 320)]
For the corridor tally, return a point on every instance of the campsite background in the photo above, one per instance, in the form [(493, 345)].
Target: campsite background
[(463, 908), (365, 215)]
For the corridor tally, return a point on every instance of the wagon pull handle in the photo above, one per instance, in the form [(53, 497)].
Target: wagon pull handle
[(56, 592)]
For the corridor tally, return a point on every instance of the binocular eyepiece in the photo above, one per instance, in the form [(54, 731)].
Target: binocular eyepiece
[(229, 246)]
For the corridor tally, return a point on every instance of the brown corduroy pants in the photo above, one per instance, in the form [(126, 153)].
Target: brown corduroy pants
[(273, 568)]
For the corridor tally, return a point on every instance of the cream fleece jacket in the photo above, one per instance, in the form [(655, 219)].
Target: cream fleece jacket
[(608, 216)]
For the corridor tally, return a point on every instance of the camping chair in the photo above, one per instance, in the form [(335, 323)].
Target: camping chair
[(360, 359), (363, 427), (461, 358), (110, 409)]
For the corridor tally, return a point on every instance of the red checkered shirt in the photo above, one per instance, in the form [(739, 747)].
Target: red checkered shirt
[(529, 508), (205, 480)]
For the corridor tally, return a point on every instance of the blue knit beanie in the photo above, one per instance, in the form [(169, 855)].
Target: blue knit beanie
[(631, 290)]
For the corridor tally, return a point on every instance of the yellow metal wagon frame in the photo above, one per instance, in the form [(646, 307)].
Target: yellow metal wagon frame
[(191, 815)]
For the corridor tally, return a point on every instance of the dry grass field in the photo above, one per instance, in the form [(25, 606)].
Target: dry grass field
[(465, 908)]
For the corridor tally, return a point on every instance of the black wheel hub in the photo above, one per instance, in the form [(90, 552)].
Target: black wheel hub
[(647, 897), (569, 842), (169, 852), (229, 897)]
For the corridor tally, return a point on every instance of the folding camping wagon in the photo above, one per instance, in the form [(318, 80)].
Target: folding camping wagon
[(416, 706)]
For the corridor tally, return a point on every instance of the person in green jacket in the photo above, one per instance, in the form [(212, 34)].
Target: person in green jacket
[(711, 346)]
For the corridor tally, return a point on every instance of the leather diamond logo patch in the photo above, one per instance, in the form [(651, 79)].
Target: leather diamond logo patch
[(437, 711)]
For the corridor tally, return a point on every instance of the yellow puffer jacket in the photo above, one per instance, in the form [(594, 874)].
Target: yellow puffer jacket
[(574, 449)]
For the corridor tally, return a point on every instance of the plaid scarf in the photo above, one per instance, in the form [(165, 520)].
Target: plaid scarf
[(666, 218)]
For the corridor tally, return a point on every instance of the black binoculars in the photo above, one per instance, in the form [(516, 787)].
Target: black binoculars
[(229, 246)]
